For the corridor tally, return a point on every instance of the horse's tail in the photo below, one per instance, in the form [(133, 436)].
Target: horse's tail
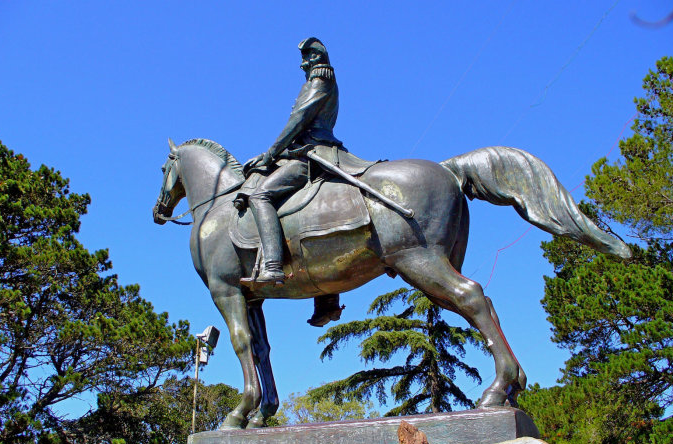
[(508, 176)]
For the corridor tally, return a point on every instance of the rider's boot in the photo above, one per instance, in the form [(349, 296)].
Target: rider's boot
[(272, 273), (271, 235), (325, 309)]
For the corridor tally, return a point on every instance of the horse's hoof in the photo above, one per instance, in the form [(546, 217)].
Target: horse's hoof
[(511, 398), (493, 398), (255, 423), (513, 391), (233, 421)]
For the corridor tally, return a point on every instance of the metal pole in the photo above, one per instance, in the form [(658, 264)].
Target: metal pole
[(196, 382)]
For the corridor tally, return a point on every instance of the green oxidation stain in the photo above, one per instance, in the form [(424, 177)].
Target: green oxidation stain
[(515, 183), (391, 190), (346, 260), (347, 255), (356, 256), (207, 228)]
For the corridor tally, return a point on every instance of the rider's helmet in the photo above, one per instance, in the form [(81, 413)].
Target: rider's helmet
[(313, 43)]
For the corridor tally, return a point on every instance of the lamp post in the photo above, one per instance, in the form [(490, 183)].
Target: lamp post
[(209, 336)]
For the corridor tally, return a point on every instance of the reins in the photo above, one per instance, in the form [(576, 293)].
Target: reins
[(174, 219)]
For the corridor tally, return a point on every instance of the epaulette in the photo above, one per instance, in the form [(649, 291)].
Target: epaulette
[(323, 71)]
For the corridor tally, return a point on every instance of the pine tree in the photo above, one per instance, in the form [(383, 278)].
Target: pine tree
[(638, 191), (616, 317), (425, 382), (67, 327), (162, 414), (590, 410)]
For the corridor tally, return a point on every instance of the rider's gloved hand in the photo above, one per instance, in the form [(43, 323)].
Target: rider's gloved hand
[(250, 164)]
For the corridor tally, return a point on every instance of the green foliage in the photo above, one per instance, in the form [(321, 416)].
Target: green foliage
[(159, 415), (639, 190), (590, 410), (616, 317), (302, 409), (617, 320), (66, 325), (433, 351)]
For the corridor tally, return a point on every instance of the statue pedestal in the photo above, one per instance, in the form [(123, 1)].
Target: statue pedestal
[(480, 426)]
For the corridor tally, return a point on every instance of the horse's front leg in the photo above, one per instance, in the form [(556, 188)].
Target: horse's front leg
[(261, 349), (232, 305)]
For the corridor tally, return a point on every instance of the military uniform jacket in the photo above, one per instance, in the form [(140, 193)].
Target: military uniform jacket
[(312, 121), (314, 113)]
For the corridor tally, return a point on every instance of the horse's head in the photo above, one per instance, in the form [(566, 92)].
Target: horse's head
[(172, 189), (201, 170)]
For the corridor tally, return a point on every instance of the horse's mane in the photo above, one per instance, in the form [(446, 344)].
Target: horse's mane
[(219, 151)]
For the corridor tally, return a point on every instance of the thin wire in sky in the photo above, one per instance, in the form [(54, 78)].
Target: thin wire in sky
[(478, 385), (495, 261), (497, 253), (611, 149), (460, 80), (539, 100)]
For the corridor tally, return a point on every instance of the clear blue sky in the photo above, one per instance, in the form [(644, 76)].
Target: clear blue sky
[(95, 88)]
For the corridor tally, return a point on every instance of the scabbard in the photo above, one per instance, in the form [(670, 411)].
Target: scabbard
[(358, 183)]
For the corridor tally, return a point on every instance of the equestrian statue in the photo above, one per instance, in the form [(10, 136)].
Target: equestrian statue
[(308, 219)]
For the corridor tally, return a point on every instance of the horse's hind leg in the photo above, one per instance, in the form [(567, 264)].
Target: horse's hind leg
[(429, 269), (233, 307), (515, 389), (261, 349)]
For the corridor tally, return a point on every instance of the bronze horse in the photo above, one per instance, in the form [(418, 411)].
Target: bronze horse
[(427, 250)]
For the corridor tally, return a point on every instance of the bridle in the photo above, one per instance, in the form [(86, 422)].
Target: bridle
[(162, 206)]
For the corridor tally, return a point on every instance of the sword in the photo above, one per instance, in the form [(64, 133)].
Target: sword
[(358, 183)]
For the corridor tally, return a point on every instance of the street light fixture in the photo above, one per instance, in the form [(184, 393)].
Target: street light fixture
[(209, 337)]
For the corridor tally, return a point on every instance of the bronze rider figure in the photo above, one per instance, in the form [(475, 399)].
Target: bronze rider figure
[(310, 126)]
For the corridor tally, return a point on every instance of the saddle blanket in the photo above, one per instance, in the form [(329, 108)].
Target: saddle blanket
[(334, 206)]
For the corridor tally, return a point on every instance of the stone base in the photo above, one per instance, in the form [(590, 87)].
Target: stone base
[(480, 426)]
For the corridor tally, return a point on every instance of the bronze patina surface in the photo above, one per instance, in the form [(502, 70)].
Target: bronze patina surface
[(413, 223), (427, 251)]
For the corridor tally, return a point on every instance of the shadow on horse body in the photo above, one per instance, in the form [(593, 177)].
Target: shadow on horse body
[(427, 251)]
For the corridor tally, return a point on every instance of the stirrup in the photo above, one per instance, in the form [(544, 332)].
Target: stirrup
[(273, 275), (266, 277), (276, 276)]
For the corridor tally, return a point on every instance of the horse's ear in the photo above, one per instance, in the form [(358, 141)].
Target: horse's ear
[(174, 148)]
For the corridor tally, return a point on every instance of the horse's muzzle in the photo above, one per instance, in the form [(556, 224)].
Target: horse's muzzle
[(158, 213)]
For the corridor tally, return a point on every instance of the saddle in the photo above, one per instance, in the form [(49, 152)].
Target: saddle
[(320, 208)]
